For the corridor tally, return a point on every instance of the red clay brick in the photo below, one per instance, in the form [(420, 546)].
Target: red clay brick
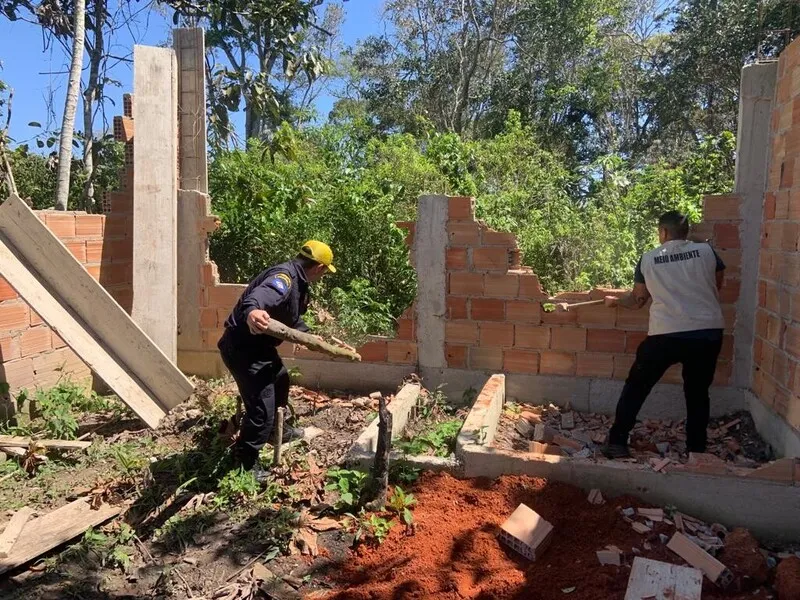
[(374, 351), (501, 286), (557, 363), (729, 314), (9, 348), (456, 356), (490, 259), (466, 284), (791, 233), (36, 340), (757, 350), (485, 358), (93, 251), (487, 309), (523, 311), (633, 319), (596, 316), (721, 208), (595, 365), (62, 225), (605, 340), (57, 341), (782, 199), (673, 375), (6, 291), (762, 293), (118, 226), (496, 334), (793, 212), (208, 318), (461, 332), (224, 296), (633, 339), (116, 274), (727, 348), (13, 316), (490, 237), (405, 329), (400, 352), (787, 172), (622, 365), (726, 235), (456, 259), (121, 202), (530, 336), (530, 287), (457, 308), (120, 251), (35, 319), (557, 317), (521, 361), (460, 208), (89, 225), (770, 206), (463, 233), (793, 340), (568, 338)]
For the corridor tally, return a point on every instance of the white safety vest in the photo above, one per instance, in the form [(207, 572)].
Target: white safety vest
[(681, 277)]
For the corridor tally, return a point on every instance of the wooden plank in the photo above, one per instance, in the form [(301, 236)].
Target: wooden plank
[(11, 533), (78, 336), (55, 528), (155, 196), (63, 279), (16, 441), (700, 559), (656, 580)]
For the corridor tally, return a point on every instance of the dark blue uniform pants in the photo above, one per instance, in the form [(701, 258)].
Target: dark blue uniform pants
[(263, 383), (654, 356)]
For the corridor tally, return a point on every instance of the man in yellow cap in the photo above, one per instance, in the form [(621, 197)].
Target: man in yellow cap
[(281, 293)]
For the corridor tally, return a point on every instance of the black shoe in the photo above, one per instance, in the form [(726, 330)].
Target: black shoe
[(613, 451), (289, 434), (260, 474)]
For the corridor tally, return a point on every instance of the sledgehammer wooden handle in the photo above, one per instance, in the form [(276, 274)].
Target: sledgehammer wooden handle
[(563, 306), (282, 332)]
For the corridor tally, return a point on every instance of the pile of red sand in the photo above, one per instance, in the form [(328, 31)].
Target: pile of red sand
[(455, 552)]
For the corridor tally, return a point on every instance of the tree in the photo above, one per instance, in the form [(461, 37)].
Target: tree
[(269, 49), (70, 106)]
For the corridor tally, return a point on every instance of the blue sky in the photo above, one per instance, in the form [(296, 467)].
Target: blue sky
[(36, 72)]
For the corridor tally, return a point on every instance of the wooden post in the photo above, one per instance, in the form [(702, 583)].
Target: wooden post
[(376, 488), (279, 416)]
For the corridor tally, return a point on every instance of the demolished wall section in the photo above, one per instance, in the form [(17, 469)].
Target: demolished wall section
[(776, 349)]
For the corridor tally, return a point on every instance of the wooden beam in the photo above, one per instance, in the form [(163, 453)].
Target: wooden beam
[(11, 533), (55, 528), (656, 580), (85, 316), (282, 332), (16, 441)]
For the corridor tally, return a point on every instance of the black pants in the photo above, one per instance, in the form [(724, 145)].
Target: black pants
[(654, 356), (263, 383)]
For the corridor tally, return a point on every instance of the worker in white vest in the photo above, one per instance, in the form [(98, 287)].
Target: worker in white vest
[(683, 278)]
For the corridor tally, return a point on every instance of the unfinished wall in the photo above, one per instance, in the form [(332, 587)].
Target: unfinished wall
[(31, 355), (776, 349)]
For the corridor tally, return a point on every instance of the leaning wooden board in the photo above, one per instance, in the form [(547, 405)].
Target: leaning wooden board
[(46, 274), (55, 528), (18, 441)]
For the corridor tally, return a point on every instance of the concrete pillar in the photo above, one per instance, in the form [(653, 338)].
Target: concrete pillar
[(753, 144), (193, 201), (430, 249), (155, 191)]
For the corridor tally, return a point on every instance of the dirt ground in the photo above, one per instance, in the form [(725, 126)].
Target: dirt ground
[(185, 534), (455, 554)]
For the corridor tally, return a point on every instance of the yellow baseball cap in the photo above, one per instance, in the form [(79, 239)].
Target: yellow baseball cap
[(319, 252)]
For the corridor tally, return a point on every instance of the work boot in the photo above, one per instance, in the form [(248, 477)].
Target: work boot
[(289, 434), (612, 451), (260, 474)]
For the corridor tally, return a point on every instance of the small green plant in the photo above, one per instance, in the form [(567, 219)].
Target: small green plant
[(128, 460), (369, 527), (401, 502), (237, 485), (223, 407), (110, 549), (56, 406), (295, 374), (349, 484), (179, 530), (440, 439), (402, 473)]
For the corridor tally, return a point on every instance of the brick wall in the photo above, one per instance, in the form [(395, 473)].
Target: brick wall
[(495, 319), (31, 355), (776, 379)]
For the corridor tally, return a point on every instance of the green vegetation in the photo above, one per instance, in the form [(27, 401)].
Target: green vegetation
[(438, 439), (111, 548), (369, 527), (349, 484), (401, 502)]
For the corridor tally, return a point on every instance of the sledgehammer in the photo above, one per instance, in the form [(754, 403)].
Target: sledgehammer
[(564, 306)]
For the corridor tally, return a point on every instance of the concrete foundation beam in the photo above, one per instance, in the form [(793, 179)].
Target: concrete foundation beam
[(400, 409)]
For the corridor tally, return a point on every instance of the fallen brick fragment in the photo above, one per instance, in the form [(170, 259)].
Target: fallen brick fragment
[(641, 527), (659, 465), (566, 442), (654, 514), (609, 557), (543, 433), (524, 428), (544, 448), (595, 497), (697, 557), (743, 557), (567, 420), (526, 532)]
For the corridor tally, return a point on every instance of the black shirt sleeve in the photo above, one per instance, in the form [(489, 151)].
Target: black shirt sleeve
[(638, 276), (720, 264)]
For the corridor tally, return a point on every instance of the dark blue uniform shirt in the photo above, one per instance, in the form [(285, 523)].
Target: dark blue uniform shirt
[(283, 292)]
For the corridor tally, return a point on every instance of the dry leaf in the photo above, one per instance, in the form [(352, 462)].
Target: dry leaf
[(324, 524), (306, 541)]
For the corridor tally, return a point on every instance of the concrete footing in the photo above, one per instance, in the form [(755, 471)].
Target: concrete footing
[(774, 429)]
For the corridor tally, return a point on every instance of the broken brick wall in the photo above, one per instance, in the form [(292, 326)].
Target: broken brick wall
[(31, 354), (776, 351)]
